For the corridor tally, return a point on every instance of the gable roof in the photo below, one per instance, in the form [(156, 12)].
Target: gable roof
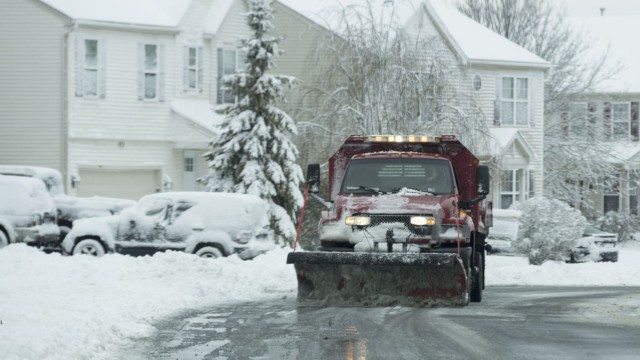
[(477, 43), (161, 13), (216, 15), (473, 42), (505, 137)]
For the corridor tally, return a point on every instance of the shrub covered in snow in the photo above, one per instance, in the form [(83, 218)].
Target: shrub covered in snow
[(549, 227), (625, 225)]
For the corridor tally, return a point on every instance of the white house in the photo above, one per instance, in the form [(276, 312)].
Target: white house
[(615, 106), (117, 94), (505, 80)]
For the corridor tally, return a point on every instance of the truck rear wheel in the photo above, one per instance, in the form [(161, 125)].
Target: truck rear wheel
[(478, 278)]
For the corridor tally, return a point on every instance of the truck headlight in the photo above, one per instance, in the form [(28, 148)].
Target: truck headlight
[(423, 220), (357, 220)]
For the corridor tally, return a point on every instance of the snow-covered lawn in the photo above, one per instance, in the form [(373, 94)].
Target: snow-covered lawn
[(59, 307)]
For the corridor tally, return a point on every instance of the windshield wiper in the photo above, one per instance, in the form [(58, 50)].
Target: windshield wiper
[(364, 188)]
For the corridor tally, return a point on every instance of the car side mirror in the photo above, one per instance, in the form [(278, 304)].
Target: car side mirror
[(313, 178), (482, 180)]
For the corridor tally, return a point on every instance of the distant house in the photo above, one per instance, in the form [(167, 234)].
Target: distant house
[(613, 107), (505, 80)]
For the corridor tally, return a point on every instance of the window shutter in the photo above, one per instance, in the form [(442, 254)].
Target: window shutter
[(185, 68), (532, 97), (634, 120), (140, 71), (607, 120), (102, 68), (496, 103), (79, 67), (200, 70), (532, 184), (220, 72), (161, 72)]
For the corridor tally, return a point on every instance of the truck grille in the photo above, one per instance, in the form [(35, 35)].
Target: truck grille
[(387, 219)]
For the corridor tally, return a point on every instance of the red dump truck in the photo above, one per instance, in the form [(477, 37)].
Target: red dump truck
[(406, 223)]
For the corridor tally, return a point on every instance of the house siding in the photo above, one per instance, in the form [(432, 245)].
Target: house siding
[(31, 97), (121, 132)]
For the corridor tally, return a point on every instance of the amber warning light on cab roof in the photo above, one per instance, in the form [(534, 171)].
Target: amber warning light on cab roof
[(401, 138), (411, 138)]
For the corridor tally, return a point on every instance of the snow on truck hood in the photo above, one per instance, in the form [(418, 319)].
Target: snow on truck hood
[(405, 201)]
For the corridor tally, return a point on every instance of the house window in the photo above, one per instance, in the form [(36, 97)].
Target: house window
[(90, 73), (229, 62), (193, 68), (634, 192), (620, 121), (477, 83), (611, 191), (189, 175), (575, 120), (150, 72), (514, 101), (510, 187), (90, 68)]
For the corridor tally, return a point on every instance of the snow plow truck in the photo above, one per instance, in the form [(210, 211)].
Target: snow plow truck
[(405, 224)]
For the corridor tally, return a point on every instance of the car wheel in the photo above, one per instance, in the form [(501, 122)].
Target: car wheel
[(4, 241), (209, 252), (89, 247)]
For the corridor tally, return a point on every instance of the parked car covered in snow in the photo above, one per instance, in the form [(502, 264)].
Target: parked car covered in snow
[(202, 223), (27, 212), (595, 245), (504, 231), (70, 208)]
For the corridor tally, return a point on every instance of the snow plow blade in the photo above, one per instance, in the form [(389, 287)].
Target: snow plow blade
[(379, 279)]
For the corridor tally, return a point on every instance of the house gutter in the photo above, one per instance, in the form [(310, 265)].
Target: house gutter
[(64, 109), (127, 26), (510, 63)]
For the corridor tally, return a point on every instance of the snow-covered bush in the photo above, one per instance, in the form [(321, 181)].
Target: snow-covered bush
[(548, 229), (625, 225)]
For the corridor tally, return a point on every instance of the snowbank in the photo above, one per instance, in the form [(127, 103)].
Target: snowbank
[(59, 307)]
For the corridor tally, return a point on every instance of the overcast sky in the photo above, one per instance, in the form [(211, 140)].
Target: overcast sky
[(592, 7)]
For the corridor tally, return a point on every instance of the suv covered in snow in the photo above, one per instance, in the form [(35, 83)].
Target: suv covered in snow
[(504, 231), (27, 212), (70, 208), (201, 223)]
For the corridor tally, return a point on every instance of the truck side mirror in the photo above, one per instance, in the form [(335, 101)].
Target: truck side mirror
[(482, 180), (313, 178)]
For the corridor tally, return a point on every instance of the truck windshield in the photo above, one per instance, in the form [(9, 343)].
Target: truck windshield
[(391, 175)]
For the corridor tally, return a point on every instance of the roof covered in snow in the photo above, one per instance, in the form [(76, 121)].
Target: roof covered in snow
[(505, 137), (163, 13), (199, 112), (476, 43)]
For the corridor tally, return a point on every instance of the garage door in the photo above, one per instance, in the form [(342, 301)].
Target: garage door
[(128, 184)]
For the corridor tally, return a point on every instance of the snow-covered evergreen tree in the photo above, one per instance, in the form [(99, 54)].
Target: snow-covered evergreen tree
[(253, 152)]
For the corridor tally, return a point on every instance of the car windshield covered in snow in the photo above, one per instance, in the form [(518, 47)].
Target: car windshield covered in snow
[(27, 212), (391, 175)]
